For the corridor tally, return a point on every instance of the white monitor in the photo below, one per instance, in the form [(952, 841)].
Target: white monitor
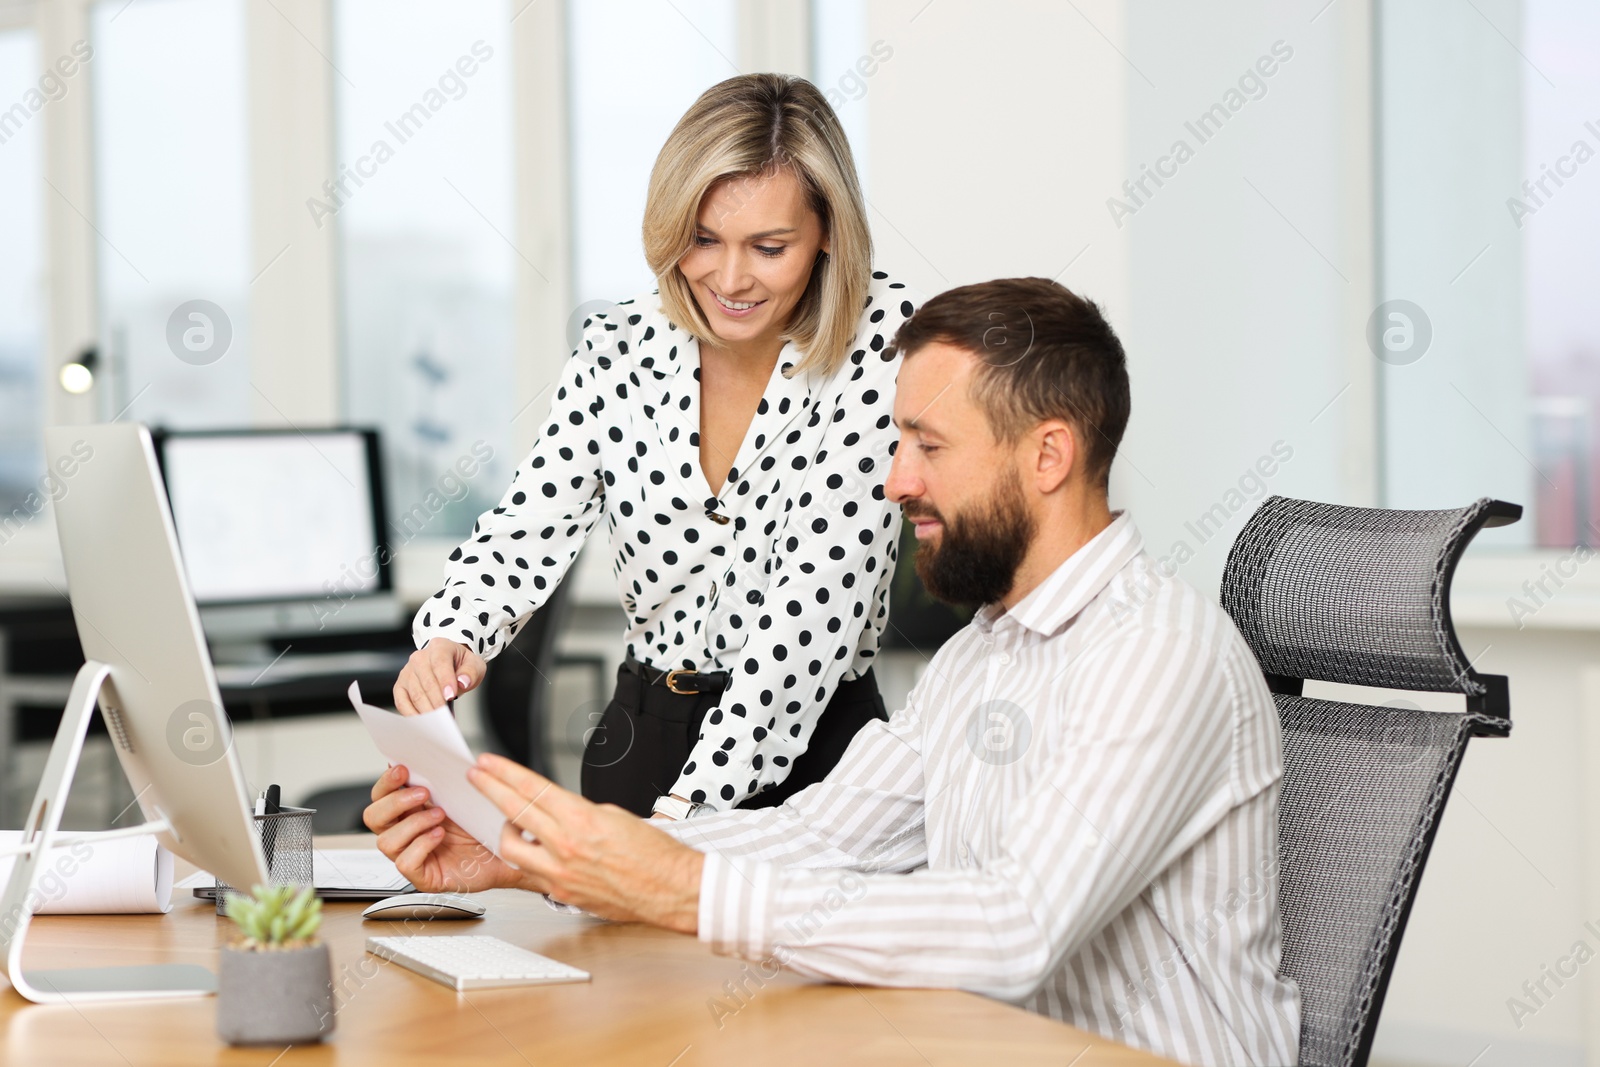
[(148, 669), (281, 530)]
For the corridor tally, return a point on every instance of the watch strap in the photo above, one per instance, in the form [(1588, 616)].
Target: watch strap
[(673, 808)]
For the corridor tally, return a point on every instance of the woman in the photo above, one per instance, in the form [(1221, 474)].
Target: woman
[(732, 429)]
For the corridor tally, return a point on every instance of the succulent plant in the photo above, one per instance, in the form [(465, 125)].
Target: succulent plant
[(276, 916)]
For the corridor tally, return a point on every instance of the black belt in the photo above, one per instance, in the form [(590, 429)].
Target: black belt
[(680, 681)]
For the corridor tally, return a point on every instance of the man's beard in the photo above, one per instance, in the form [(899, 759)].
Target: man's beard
[(979, 550)]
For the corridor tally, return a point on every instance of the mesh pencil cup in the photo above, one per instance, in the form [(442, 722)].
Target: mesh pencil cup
[(286, 842)]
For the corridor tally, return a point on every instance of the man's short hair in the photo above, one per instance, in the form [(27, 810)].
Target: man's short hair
[(1044, 353)]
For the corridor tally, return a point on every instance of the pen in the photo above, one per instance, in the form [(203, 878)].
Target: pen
[(269, 830)]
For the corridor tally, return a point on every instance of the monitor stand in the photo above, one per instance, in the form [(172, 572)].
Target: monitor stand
[(42, 831)]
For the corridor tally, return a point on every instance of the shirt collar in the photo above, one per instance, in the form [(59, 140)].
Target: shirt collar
[(668, 348), (1069, 588)]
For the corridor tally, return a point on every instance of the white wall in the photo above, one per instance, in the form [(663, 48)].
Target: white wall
[(995, 131), (1250, 270), (1000, 132), (1506, 891)]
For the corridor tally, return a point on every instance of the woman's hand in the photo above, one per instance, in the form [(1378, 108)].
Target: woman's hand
[(436, 674), (433, 852)]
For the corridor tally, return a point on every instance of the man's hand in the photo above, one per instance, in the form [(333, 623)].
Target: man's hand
[(433, 852), (436, 674), (599, 857)]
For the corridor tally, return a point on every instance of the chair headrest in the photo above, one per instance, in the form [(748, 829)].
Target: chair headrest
[(1356, 595)]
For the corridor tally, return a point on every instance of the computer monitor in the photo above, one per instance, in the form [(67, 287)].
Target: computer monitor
[(148, 668), (281, 530)]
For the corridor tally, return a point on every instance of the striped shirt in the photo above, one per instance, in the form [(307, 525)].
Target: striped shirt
[(1076, 811)]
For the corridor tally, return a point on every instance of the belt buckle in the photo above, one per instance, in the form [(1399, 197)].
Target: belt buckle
[(672, 683)]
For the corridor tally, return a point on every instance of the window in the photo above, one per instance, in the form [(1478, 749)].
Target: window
[(171, 179), (843, 62), (1558, 216), (1486, 331), (22, 96), (423, 200), (635, 67)]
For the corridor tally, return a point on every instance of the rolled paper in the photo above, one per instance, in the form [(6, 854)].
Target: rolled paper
[(98, 877)]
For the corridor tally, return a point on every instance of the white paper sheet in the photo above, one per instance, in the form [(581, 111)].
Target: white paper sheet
[(431, 748), (356, 868), (96, 877)]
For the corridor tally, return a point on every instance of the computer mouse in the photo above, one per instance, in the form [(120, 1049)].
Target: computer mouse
[(424, 906)]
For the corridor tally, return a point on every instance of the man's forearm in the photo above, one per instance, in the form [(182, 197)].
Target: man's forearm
[(950, 929)]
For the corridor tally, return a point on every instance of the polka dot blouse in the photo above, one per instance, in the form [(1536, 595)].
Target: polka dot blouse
[(782, 579)]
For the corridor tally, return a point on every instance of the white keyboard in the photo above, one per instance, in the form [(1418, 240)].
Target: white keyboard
[(473, 961)]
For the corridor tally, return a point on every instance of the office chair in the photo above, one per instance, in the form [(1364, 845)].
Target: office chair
[(515, 695), (1358, 596), (917, 621), (516, 690)]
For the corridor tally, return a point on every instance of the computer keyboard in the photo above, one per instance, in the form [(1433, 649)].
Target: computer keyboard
[(473, 961), (298, 665)]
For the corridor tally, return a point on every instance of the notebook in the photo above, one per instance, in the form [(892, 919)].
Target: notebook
[(337, 873)]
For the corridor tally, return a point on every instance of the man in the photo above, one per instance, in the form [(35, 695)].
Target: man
[(1075, 811)]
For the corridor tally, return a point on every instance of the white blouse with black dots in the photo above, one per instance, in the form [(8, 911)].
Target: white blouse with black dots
[(788, 594)]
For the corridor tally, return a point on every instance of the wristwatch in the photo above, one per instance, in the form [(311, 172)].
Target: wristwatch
[(675, 808)]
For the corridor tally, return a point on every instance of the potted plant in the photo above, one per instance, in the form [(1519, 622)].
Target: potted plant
[(276, 982)]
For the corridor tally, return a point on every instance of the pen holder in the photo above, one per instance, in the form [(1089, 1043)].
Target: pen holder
[(286, 842)]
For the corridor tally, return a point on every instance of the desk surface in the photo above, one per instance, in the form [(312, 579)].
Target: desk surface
[(649, 1004)]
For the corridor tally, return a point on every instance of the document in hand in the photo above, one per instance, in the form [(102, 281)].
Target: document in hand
[(436, 756)]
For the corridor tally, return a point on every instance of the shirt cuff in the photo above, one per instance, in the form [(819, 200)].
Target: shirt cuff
[(687, 784), (735, 904)]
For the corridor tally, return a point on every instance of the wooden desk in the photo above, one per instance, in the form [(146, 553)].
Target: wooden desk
[(647, 1005)]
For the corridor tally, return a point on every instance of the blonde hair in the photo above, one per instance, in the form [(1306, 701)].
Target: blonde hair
[(753, 126)]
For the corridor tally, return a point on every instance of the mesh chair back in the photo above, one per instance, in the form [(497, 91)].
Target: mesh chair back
[(1359, 596)]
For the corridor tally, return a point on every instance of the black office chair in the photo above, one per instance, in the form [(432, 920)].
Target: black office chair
[(1359, 596), (917, 621), (515, 694), (516, 691)]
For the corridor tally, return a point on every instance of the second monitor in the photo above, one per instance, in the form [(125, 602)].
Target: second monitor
[(282, 531)]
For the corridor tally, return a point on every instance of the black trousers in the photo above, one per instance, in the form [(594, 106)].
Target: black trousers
[(643, 739)]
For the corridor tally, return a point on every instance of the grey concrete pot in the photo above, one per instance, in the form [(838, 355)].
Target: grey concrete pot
[(274, 997)]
